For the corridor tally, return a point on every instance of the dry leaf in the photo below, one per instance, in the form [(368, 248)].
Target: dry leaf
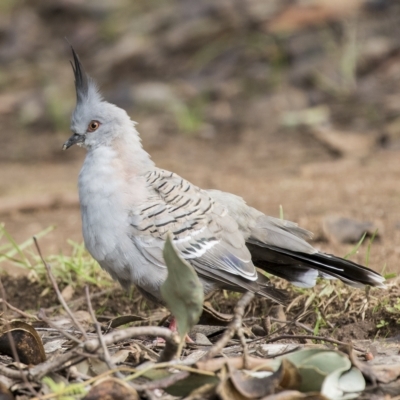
[(253, 387), (112, 389), (67, 293), (5, 394), (295, 395), (27, 341), (215, 364)]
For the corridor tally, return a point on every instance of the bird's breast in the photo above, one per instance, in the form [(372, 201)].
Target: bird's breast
[(104, 199)]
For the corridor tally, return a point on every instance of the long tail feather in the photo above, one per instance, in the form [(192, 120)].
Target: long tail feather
[(302, 269)]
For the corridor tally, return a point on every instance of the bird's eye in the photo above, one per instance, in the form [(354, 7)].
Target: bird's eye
[(93, 126)]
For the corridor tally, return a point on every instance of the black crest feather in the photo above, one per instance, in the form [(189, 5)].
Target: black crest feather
[(81, 79)]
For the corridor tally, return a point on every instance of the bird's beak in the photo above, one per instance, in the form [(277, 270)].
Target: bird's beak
[(74, 139)]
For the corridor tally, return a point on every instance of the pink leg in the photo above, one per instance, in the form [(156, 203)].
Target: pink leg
[(174, 328)]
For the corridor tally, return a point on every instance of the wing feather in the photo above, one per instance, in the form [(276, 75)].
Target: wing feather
[(201, 227)]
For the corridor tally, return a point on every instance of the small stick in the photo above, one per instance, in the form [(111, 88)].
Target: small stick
[(233, 327), (312, 337), (54, 364), (293, 322), (12, 342), (172, 339), (106, 354), (57, 290), (20, 312), (12, 373), (43, 317), (245, 348)]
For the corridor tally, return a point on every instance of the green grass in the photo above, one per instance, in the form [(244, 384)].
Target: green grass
[(76, 269)]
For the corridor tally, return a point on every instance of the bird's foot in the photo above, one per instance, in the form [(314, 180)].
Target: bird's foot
[(174, 328)]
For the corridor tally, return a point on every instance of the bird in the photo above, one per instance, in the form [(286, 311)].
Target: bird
[(129, 207)]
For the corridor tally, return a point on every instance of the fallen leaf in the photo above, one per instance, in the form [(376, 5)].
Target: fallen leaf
[(98, 367), (201, 393), (210, 316), (226, 390), (295, 395), (184, 386), (182, 290), (112, 389), (341, 385), (28, 343), (329, 372), (216, 364), (67, 293), (125, 319), (5, 394), (253, 386), (291, 378)]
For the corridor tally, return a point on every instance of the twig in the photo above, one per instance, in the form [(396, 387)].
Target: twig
[(12, 373), (57, 290), (17, 310), (233, 327), (245, 348), (293, 322), (106, 354), (312, 337), (172, 339), (12, 342), (43, 317), (54, 364)]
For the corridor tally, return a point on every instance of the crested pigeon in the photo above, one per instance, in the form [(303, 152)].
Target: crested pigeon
[(129, 206)]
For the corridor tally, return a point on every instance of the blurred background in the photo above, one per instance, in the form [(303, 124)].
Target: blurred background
[(291, 103)]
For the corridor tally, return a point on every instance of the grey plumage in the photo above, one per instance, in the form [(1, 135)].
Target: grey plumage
[(128, 206)]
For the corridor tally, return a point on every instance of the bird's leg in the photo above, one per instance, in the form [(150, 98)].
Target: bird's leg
[(174, 328)]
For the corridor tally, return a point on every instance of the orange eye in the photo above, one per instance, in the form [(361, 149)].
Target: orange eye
[(93, 126)]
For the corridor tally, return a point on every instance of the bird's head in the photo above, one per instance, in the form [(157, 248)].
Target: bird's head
[(94, 122)]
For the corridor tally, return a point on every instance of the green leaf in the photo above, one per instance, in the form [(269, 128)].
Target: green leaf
[(328, 372), (343, 385), (356, 247), (185, 386), (182, 290)]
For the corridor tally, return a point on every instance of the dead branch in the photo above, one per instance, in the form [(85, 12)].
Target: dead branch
[(12, 342), (20, 312), (172, 339), (43, 317), (311, 337), (106, 354), (57, 290), (233, 327)]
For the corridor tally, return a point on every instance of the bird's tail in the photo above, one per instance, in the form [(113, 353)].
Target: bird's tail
[(302, 269)]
